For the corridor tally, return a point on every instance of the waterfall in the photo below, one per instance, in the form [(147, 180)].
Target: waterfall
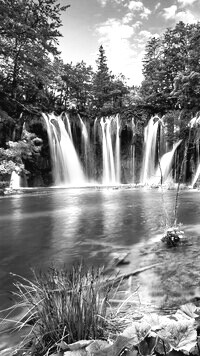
[(166, 165), (151, 170), (117, 151), (111, 158), (66, 166), (195, 123), (106, 170), (196, 176), (110, 151), (15, 180), (133, 149), (85, 145), (150, 140), (95, 131), (68, 126)]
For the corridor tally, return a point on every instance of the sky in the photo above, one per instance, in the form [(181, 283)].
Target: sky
[(123, 27)]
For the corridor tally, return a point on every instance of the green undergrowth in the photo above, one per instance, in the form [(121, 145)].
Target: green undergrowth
[(62, 304), (62, 307)]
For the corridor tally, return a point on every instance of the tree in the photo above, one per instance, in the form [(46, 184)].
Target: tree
[(165, 59), (77, 86), (187, 81), (102, 80), (109, 91), (151, 89), (29, 32)]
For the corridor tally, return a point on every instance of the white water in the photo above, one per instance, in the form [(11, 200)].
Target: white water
[(66, 120), (15, 180), (106, 171), (196, 176), (166, 165), (111, 152), (150, 138), (133, 150), (95, 131), (66, 166), (195, 122), (85, 145), (151, 171), (117, 151)]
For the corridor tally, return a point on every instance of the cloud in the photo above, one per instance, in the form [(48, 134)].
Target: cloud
[(157, 6), (185, 3), (142, 38), (138, 6), (116, 36), (112, 30), (145, 14), (103, 3), (172, 13), (137, 25), (169, 12), (127, 18), (135, 5), (145, 34), (186, 16)]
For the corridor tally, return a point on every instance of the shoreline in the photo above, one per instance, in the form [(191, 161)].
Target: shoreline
[(12, 191)]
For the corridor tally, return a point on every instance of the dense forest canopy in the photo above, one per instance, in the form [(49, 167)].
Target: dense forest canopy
[(172, 69), (34, 78)]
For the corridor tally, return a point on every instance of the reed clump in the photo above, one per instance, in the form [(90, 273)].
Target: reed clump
[(63, 305)]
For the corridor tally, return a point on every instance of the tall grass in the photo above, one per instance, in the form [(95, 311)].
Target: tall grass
[(63, 305)]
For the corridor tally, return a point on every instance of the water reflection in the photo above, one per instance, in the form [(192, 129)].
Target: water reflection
[(63, 226)]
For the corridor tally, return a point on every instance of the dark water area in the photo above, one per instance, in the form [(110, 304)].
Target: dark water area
[(63, 226)]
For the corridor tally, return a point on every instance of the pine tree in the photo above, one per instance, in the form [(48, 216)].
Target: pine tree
[(102, 80)]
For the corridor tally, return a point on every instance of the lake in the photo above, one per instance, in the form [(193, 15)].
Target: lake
[(62, 226)]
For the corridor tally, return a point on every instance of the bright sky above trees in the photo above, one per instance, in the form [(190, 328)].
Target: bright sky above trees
[(122, 27)]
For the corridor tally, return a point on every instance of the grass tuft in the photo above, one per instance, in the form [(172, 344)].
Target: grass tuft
[(67, 305)]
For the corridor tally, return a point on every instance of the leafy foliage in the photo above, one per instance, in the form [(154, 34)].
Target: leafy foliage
[(171, 69), (29, 33), (11, 158)]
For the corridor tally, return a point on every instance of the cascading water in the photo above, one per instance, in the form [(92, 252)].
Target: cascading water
[(150, 139), (85, 145), (15, 180), (195, 123), (66, 166), (153, 170), (165, 166), (197, 174), (111, 158), (117, 151), (95, 131), (133, 150)]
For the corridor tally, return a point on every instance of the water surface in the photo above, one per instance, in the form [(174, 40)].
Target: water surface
[(62, 226)]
